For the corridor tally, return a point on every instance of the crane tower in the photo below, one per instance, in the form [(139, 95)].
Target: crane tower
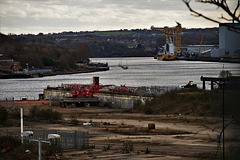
[(173, 33)]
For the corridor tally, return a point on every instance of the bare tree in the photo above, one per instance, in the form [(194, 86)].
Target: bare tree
[(233, 13)]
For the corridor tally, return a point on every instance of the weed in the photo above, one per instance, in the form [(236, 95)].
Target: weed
[(127, 147), (13, 140), (45, 114), (3, 115), (93, 146), (74, 120), (190, 102), (106, 148), (147, 150)]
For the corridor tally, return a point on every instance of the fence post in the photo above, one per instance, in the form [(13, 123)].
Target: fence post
[(44, 134), (75, 139), (87, 139), (65, 139), (83, 146)]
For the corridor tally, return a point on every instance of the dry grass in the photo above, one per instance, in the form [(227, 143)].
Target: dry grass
[(193, 102)]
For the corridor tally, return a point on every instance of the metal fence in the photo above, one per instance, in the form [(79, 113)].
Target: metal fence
[(67, 140), (154, 90)]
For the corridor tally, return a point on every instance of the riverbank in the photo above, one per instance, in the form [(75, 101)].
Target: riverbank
[(209, 59), (88, 70), (215, 59)]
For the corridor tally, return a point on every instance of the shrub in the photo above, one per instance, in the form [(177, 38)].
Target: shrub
[(3, 115), (74, 120), (34, 111), (51, 150), (45, 114), (13, 140), (147, 150), (106, 148), (127, 147)]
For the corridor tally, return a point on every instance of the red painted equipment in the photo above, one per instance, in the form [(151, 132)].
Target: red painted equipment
[(84, 90), (124, 89), (88, 90)]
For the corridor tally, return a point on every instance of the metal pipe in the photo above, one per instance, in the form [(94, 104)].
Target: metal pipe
[(39, 150)]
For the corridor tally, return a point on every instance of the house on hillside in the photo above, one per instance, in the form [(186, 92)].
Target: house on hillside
[(8, 64)]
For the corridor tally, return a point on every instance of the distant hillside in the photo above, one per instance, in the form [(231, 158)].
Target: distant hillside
[(42, 55), (4, 38), (119, 43)]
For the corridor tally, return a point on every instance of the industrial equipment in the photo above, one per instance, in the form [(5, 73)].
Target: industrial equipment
[(84, 90), (190, 85), (124, 89), (173, 39)]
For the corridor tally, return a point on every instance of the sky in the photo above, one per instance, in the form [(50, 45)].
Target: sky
[(55, 16)]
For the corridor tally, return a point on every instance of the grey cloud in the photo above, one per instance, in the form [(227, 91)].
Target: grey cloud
[(50, 15)]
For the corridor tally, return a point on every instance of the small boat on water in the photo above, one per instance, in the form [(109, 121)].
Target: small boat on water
[(124, 67), (165, 57)]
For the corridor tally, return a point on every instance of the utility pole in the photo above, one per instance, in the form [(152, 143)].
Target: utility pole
[(223, 114), (39, 146), (21, 121), (223, 118)]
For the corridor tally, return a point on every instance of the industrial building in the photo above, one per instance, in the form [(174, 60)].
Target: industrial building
[(229, 41), (203, 48)]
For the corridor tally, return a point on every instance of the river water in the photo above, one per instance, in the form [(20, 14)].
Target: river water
[(142, 71)]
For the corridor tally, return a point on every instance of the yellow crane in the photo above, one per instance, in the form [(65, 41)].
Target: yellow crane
[(172, 32)]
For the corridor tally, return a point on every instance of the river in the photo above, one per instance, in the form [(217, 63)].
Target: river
[(142, 71)]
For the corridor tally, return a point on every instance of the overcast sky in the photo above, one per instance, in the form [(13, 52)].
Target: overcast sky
[(53, 16)]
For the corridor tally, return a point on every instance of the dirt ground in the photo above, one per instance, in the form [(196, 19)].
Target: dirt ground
[(121, 134)]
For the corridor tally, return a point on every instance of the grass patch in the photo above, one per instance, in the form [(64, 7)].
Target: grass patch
[(45, 114)]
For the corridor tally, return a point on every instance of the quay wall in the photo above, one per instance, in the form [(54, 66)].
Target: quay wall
[(56, 93), (125, 101)]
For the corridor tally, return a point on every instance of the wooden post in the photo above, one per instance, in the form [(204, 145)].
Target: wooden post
[(204, 85), (211, 85)]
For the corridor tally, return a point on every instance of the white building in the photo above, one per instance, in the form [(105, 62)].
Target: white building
[(229, 40)]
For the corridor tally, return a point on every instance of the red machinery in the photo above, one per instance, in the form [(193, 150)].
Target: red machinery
[(84, 90), (88, 90), (124, 89)]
